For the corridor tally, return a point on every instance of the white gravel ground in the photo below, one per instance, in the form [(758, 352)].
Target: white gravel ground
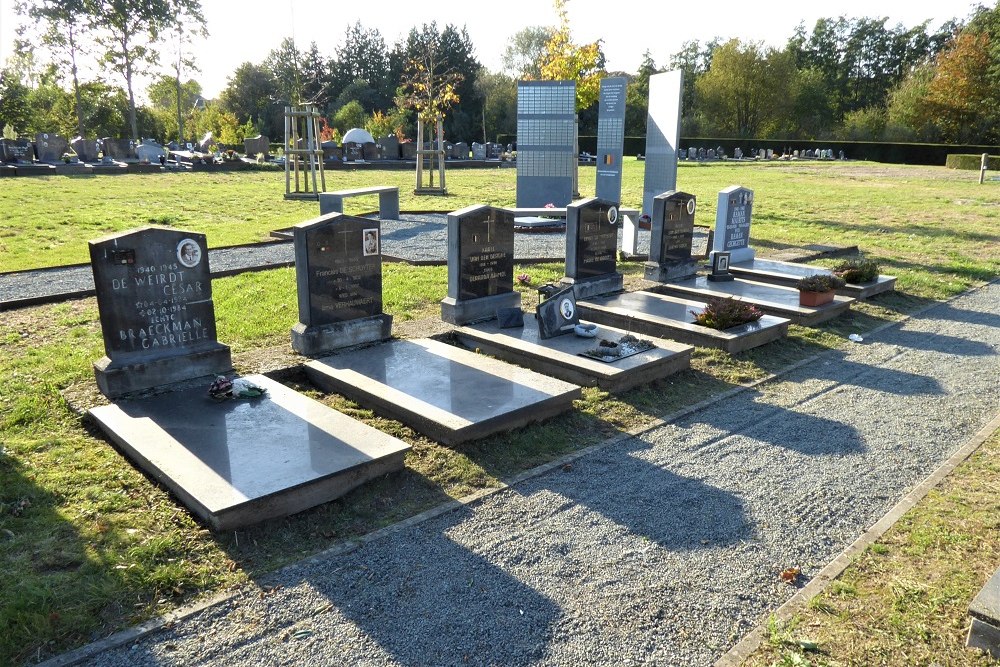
[(662, 549)]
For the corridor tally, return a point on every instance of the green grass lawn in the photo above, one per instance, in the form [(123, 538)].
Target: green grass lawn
[(88, 545)]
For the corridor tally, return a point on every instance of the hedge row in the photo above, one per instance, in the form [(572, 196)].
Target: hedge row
[(971, 162), (897, 153)]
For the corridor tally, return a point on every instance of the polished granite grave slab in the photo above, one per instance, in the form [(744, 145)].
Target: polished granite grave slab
[(773, 299), (984, 633), (561, 356), (788, 273), (237, 462), (667, 316), (443, 391)]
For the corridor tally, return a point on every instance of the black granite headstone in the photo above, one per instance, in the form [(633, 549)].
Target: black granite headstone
[(154, 296), (338, 271), (340, 277), (592, 239), (672, 232), (480, 264), (486, 254), (389, 147), (16, 150)]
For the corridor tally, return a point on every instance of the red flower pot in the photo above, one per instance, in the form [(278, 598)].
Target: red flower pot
[(814, 299)]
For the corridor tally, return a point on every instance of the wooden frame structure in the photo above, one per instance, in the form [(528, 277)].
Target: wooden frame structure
[(430, 188), (302, 148)]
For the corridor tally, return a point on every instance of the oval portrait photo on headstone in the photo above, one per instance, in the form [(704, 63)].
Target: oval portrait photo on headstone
[(189, 253), (613, 214), (567, 309), (690, 206)]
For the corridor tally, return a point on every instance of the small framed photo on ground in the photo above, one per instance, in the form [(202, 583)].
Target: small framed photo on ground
[(720, 267)]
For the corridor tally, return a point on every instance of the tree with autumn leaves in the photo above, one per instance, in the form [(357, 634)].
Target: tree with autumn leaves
[(563, 60)]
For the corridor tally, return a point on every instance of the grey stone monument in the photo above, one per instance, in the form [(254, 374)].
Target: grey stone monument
[(480, 265), (150, 151), (369, 151), (117, 149), (259, 145), (50, 147), (338, 272), (592, 248), (672, 231), (732, 223), (85, 149), (460, 151), (663, 133), (478, 151), (154, 296), (546, 143), (611, 138)]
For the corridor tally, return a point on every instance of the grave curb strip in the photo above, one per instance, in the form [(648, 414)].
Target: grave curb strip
[(141, 630)]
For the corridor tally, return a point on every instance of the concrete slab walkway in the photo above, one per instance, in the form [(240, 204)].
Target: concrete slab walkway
[(662, 549)]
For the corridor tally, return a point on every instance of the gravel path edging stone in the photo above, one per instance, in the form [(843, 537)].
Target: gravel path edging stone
[(743, 648)]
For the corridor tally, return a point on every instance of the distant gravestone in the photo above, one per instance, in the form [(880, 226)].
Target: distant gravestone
[(671, 235), (663, 134), (480, 265), (478, 151), (117, 149), (408, 150), (154, 296), (610, 138), (460, 151), (738, 153), (352, 151), (732, 223), (150, 151), (85, 149), (338, 272), (50, 147), (770, 153), (592, 248), (369, 151), (390, 147), (259, 145), (493, 151), (16, 150), (331, 151)]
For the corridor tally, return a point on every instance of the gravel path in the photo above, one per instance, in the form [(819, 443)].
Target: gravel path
[(414, 237), (661, 549)]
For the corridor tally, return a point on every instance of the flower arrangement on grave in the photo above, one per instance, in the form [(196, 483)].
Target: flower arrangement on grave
[(229, 155), (857, 270), (726, 312), (523, 279), (818, 289), (627, 345), (223, 388)]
